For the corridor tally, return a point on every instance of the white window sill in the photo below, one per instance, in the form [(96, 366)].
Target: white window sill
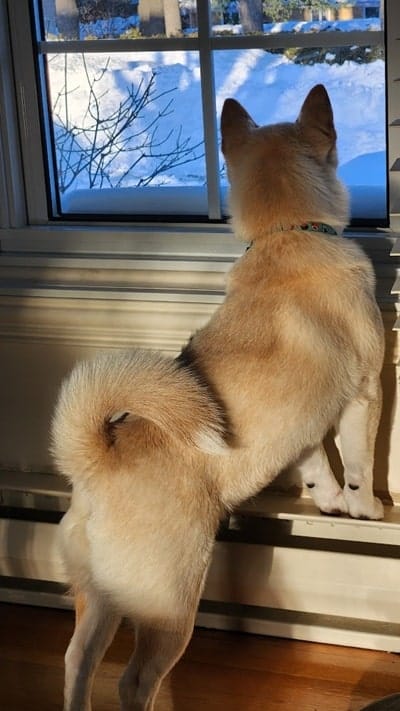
[(175, 263)]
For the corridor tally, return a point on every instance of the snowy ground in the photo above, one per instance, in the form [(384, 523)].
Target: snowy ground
[(117, 26)]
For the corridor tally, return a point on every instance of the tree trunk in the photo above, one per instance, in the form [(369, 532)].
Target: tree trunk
[(67, 15), (151, 14), (172, 18), (251, 15)]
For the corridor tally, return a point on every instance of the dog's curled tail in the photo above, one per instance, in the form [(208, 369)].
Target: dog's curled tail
[(100, 394)]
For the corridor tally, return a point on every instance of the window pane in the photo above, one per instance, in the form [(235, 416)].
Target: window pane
[(250, 17), (114, 19), (128, 128), (273, 85)]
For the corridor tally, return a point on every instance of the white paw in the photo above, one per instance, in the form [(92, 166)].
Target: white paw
[(335, 506), (373, 509)]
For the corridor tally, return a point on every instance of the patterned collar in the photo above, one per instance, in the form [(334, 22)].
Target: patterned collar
[(315, 227), (307, 227)]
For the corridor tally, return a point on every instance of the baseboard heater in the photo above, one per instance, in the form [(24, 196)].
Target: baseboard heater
[(279, 568)]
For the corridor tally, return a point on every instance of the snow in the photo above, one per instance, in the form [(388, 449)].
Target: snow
[(372, 24), (269, 85), (114, 27), (120, 26)]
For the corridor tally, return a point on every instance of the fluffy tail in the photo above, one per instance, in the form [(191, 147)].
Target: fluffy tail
[(100, 394)]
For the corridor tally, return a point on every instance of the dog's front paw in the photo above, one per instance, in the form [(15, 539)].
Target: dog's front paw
[(371, 509), (335, 506)]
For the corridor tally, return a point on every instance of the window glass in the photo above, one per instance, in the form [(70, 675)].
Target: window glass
[(125, 121), (135, 90), (272, 86), (249, 17), (114, 19)]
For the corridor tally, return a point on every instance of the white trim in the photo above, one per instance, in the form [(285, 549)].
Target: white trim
[(393, 103), (71, 321), (396, 248), (170, 240), (44, 484), (189, 260), (28, 111), (301, 513), (41, 597), (306, 579), (307, 522), (277, 40), (209, 117), (300, 593), (324, 629), (85, 322), (12, 196)]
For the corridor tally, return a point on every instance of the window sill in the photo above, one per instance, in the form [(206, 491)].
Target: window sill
[(143, 262), (167, 241)]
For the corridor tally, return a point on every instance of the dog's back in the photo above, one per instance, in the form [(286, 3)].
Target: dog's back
[(299, 330)]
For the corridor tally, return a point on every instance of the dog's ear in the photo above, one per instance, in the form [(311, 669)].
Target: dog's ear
[(316, 124), (236, 124)]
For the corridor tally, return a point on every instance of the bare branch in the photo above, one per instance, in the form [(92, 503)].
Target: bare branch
[(92, 149)]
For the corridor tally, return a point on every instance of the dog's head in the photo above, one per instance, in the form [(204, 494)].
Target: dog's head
[(285, 173)]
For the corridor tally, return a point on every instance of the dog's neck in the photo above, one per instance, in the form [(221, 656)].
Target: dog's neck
[(315, 227), (312, 226)]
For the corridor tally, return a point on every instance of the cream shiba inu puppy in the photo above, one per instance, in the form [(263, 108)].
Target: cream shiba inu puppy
[(158, 450)]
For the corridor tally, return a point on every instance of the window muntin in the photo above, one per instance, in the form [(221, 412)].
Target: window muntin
[(188, 192)]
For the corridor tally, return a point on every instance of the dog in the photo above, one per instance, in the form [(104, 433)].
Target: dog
[(158, 450)]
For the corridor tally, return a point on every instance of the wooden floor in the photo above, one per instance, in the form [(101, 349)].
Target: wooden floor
[(219, 671)]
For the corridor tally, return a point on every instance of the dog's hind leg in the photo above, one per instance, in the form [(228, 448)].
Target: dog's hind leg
[(95, 628), (79, 605), (157, 650), (357, 429), (318, 477)]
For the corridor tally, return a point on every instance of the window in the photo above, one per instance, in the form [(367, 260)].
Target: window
[(128, 101)]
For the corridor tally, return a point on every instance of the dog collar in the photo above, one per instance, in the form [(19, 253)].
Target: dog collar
[(306, 227), (315, 227)]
